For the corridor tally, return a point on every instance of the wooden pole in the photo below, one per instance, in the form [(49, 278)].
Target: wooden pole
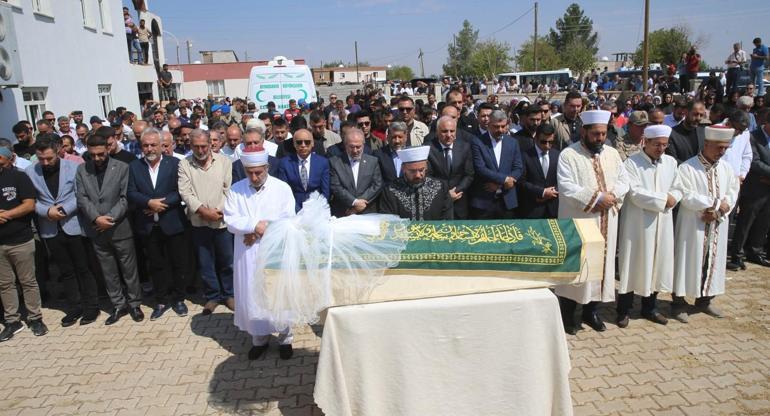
[(358, 77), (645, 56), (534, 48)]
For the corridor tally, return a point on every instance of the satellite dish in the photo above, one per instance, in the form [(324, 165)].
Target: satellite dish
[(605, 59)]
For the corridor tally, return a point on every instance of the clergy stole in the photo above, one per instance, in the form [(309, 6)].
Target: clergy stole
[(604, 218), (710, 237)]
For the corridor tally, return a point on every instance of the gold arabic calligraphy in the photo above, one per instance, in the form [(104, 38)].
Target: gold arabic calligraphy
[(468, 234)]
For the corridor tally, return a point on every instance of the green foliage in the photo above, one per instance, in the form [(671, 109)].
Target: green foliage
[(578, 57), (547, 57), (574, 29), (490, 58), (460, 50), (400, 72), (334, 64), (666, 46)]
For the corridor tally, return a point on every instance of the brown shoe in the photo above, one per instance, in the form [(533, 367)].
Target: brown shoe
[(209, 307), (230, 303)]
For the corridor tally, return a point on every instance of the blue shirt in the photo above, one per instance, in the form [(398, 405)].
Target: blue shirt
[(759, 62)]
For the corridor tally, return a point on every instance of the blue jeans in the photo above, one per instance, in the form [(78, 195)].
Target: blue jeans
[(758, 80), (215, 261), (138, 50)]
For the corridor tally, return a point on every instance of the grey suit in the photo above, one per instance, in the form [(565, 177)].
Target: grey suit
[(116, 243), (67, 199), (345, 190)]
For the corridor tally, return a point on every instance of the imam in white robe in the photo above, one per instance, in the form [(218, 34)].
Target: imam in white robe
[(581, 184), (244, 209), (697, 243), (646, 233)]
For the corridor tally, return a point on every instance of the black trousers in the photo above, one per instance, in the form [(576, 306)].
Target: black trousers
[(732, 80), (626, 303), (69, 254), (752, 224), (496, 211), (145, 50), (167, 258)]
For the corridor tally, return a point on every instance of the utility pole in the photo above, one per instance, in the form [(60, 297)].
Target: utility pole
[(645, 56), (534, 48), (358, 75), (189, 48), (422, 65), (245, 56)]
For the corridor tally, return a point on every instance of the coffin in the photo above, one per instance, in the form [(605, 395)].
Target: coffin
[(446, 258)]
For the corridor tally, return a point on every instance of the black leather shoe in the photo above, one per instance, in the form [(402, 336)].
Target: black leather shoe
[(116, 315), (622, 321), (656, 317), (570, 329), (71, 318), (758, 260), (89, 317), (733, 265), (136, 314), (595, 322), (285, 351), (256, 351)]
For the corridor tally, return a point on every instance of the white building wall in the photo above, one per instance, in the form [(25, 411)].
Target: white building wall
[(71, 60), (199, 89), (195, 89)]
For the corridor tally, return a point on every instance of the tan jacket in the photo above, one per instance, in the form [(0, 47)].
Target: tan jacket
[(205, 187), (417, 133)]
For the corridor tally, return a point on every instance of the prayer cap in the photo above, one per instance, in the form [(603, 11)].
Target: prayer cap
[(595, 117), (656, 131), (254, 155), (414, 154), (719, 133)]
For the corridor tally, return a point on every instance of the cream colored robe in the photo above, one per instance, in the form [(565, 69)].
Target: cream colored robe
[(581, 184)]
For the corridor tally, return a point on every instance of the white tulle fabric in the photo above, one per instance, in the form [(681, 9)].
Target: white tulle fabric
[(303, 251)]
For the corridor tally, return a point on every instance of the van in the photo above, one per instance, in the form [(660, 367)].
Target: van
[(280, 81)]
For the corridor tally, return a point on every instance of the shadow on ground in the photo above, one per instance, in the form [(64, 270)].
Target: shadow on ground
[(264, 386)]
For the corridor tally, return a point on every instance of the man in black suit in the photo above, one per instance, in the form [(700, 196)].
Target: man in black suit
[(530, 119), (538, 195), (461, 135), (356, 180), (390, 163), (451, 161), (484, 111), (753, 220), (497, 166), (686, 138), (159, 220)]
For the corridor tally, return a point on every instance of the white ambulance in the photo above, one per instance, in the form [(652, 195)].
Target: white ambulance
[(279, 81)]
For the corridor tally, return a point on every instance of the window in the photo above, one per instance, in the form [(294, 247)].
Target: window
[(42, 7), (374, 75), (105, 98), (34, 103), (104, 16), (342, 75), (14, 3), (88, 19), (216, 88)]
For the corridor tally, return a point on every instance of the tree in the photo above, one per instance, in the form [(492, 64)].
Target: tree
[(400, 72), (574, 27), (666, 46), (578, 57), (460, 50), (490, 58), (547, 58), (334, 64)]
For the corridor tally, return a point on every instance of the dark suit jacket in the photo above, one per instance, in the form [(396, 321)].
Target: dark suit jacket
[(239, 173), (110, 199), (461, 176), (487, 170), (461, 136), (343, 187), (525, 141), (387, 167), (683, 143), (533, 183), (140, 192), (338, 149), (757, 183), (318, 177)]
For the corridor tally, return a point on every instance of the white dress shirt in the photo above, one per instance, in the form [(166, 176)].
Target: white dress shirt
[(497, 147), (739, 154), (154, 178), (354, 165)]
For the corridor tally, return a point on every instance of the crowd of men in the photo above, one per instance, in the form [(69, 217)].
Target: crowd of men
[(198, 182)]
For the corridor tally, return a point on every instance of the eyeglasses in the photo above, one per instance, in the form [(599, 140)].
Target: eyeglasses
[(303, 142), (405, 109), (364, 123), (546, 141)]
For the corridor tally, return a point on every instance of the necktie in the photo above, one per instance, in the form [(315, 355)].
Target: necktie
[(303, 173), (448, 159), (544, 163)]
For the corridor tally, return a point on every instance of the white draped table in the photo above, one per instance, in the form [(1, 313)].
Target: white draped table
[(502, 353)]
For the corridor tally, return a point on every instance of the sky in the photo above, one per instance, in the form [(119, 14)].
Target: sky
[(391, 32)]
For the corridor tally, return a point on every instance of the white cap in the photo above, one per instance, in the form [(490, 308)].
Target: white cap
[(254, 156), (719, 133), (654, 131), (414, 154), (595, 117)]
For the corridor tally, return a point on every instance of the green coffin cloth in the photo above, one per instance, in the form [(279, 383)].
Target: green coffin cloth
[(536, 246)]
